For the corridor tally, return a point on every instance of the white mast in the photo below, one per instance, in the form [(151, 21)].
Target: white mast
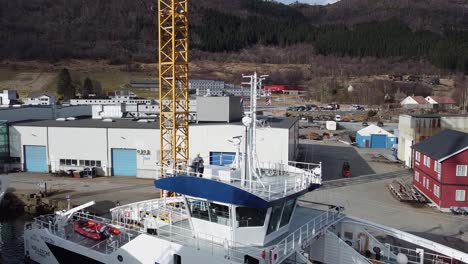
[(250, 121)]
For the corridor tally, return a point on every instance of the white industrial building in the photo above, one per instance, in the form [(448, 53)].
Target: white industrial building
[(130, 148), (8, 97), (414, 128)]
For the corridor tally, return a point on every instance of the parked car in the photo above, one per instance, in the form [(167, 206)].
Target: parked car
[(352, 120), (290, 108), (357, 108), (337, 118), (329, 107), (364, 124), (380, 124), (313, 107)]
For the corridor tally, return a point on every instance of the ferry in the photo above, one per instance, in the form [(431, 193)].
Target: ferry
[(247, 213)]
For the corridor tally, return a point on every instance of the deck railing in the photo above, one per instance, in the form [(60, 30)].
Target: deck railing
[(275, 179), (302, 237), (211, 244)]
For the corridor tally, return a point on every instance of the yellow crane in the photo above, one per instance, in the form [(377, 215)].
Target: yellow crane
[(173, 83)]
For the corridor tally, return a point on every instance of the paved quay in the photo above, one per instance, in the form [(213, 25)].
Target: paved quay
[(372, 201), (107, 191)]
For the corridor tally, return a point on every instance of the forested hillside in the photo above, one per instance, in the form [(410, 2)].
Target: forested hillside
[(125, 30)]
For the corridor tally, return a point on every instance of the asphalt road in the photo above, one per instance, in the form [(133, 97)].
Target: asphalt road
[(332, 158)]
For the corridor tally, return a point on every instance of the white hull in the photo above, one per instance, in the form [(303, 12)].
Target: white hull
[(43, 247)]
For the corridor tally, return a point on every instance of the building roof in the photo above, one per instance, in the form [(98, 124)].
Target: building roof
[(419, 99), (273, 122), (39, 94), (374, 130), (443, 145), (442, 99), (433, 115)]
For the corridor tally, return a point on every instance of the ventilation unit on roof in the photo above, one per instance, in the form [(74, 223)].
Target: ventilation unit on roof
[(61, 119), (107, 120), (71, 118)]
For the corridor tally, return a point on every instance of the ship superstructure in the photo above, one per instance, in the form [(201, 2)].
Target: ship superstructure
[(249, 212)]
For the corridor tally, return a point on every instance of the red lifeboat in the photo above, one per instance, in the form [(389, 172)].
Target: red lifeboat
[(94, 230)]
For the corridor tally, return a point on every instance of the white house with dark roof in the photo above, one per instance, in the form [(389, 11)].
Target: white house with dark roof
[(40, 98)]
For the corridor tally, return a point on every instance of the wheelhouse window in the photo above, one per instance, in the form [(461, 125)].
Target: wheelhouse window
[(461, 170), (247, 216), (275, 218), (216, 213), (287, 212), (280, 215)]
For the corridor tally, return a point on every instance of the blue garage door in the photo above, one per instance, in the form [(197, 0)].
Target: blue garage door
[(124, 162), (222, 158), (378, 141), (35, 158)]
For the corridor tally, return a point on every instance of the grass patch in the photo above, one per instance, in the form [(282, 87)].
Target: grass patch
[(7, 74), (112, 80)]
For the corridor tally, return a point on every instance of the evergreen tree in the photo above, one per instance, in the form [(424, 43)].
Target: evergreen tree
[(65, 87), (87, 87)]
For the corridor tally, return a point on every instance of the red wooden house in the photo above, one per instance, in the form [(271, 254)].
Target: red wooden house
[(440, 169)]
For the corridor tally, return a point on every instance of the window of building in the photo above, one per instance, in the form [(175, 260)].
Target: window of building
[(461, 170), (15, 159), (460, 195), (222, 158), (416, 176), (426, 182), (417, 156), (436, 191), (62, 162), (437, 166), (427, 161), (247, 216)]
